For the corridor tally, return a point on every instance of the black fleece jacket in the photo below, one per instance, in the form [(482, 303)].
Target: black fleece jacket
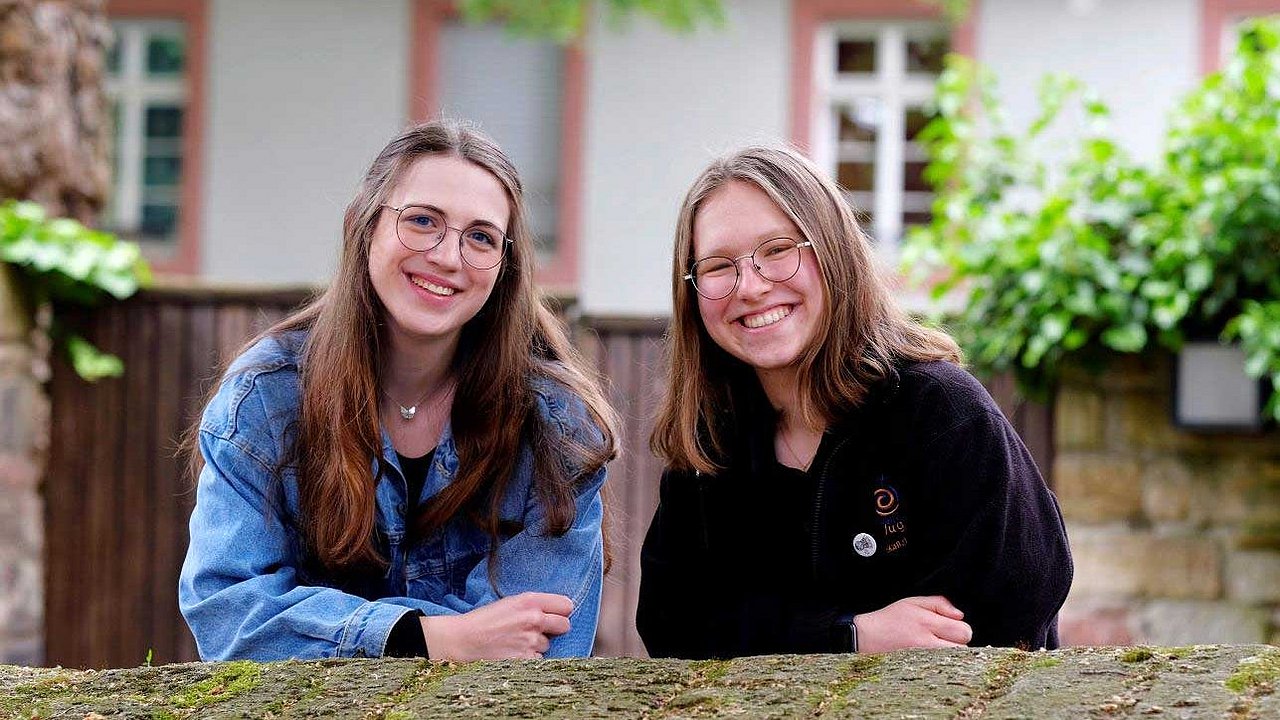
[(924, 490)]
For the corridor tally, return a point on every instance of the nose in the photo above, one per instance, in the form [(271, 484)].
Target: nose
[(750, 282), (446, 253)]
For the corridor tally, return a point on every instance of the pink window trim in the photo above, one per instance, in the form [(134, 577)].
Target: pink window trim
[(558, 276), (808, 15), (1214, 16), (185, 258)]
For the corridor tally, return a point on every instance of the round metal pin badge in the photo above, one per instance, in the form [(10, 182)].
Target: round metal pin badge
[(864, 544)]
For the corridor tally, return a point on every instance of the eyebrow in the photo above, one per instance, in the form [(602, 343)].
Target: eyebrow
[(445, 215), (760, 238)]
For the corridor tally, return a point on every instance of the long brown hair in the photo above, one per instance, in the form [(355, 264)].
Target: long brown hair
[(862, 331), (510, 347)]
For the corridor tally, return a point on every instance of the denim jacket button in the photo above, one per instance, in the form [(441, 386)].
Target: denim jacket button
[(400, 509)]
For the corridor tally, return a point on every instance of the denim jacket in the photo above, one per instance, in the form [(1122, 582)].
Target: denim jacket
[(246, 591)]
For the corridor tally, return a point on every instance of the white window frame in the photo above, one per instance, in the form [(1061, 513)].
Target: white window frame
[(132, 90), (895, 90)]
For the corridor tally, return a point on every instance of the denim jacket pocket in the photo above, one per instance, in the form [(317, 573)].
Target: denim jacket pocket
[(426, 559)]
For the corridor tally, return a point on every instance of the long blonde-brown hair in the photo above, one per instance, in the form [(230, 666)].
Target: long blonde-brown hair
[(513, 343), (861, 334)]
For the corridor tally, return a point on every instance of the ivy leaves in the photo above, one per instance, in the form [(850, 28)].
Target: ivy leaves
[(1089, 252), (62, 261)]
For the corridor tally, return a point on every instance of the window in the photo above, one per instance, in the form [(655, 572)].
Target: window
[(512, 88), (530, 97), (872, 82), (147, 89)]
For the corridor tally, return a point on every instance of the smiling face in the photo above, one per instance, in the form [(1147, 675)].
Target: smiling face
[(430, 295), (766, 325)]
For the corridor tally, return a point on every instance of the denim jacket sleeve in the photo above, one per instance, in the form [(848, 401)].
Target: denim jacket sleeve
[(239, 589), (571, 564)]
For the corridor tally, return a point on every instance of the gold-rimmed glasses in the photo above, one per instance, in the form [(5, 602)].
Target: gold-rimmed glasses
[(421, 228), (776, 260)]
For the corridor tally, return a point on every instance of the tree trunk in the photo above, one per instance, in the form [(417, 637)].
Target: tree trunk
[(53, 150), (53, 113)]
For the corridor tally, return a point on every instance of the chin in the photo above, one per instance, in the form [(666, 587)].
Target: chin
[(771, 361)]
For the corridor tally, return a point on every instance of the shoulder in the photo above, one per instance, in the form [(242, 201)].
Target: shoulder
[(260, 392), (936, 397), (559, 405)]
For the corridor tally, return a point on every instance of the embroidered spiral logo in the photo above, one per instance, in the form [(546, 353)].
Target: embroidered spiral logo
[(886, 499)]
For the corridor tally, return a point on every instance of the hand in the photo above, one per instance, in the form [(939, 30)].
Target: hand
[(519, 626), (914, 622)]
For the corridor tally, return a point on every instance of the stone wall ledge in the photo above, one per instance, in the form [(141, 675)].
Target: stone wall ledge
[(1204, 681)]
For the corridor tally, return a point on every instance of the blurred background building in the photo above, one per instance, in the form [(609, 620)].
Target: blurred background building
[(242, 126)]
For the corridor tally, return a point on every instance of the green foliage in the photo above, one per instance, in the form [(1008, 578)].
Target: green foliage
[(63, 262), (955, 10), (1071, 251), (565, 20)]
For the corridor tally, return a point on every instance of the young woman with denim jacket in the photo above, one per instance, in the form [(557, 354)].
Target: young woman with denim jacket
[(413, 463), (835, 481)]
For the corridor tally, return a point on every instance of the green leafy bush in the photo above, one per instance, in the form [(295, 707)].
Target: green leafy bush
[(1073, 256), (566, 20), (63, 262)]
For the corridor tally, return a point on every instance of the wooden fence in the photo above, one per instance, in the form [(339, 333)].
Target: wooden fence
[(117, 501)]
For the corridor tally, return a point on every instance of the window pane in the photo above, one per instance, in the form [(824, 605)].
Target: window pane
[(916, 218), (166, 54), (925, 56), (856, 56), (159, 222), (113, 53), (859, 121), (856, 175), (913, 177), (917, 118), (164, 121), (162, 170)]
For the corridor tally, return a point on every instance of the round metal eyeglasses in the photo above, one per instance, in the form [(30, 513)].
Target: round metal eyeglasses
[(421, 228), (776, 260)]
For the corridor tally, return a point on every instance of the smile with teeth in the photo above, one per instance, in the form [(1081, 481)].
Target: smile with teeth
[(766, 318), (432, 287)]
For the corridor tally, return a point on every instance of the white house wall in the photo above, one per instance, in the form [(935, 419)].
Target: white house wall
[(659, 106), (1139, 55), (302, 93)]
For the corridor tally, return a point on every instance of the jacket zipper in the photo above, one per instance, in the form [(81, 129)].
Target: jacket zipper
[(815, 529)]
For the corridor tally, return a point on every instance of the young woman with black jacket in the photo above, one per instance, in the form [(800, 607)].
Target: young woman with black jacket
[(835, 480)]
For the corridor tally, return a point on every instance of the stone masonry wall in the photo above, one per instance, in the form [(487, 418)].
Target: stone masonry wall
[(1236, 682), (1176, 535), (24, 438)]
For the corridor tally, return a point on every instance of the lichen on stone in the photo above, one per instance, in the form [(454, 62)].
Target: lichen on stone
[(229, 680), (1256, 674)]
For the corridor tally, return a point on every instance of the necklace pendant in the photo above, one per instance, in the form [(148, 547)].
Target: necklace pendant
[(408, 412)]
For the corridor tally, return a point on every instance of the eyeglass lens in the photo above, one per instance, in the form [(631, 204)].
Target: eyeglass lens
[(776, 260), (421, 229)]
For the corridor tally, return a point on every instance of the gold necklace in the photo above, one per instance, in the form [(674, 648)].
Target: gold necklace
[(794, 455)]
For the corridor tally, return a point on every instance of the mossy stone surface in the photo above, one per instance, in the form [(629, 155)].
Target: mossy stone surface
[(1212, 681)]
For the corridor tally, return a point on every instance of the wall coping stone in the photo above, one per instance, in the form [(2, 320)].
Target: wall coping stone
[(1236, 681)]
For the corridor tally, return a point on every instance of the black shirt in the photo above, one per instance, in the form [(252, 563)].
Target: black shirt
[(406, 638)]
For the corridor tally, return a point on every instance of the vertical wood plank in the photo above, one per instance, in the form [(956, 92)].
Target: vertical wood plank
[(167, 480), (138, 418), (62, 501), (201, 366)]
